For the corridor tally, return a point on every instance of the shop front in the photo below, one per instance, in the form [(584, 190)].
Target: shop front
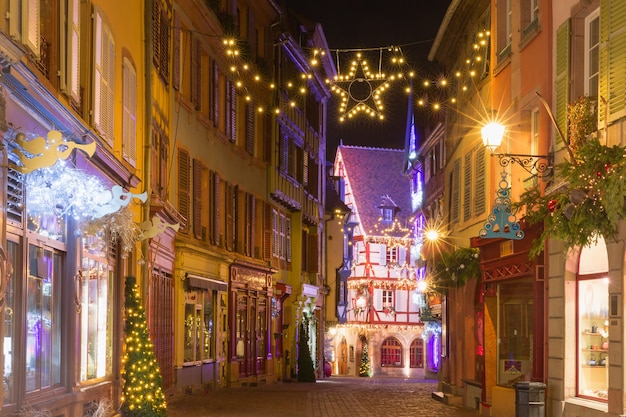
[(513, 319), (250, 312)]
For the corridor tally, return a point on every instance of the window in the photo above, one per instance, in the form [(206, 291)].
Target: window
[(25, 22), (42, 348), (184, 185), (530, 16), (200, 199), (504, 25), (160, 40), (96, 288), (387, 214), (391, 353), (592, 53), (129, 116), (593, 321), (14, 270), (417, 353), (391, 255), (104, 54), (199, 337), (387, 298), (159, 152)]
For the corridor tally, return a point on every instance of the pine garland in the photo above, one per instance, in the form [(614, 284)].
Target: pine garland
[(453, 269), (593, 200)]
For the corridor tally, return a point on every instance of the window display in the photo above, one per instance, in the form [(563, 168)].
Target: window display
[(593, 340)]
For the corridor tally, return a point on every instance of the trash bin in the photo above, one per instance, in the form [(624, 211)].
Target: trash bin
[(530, 399)]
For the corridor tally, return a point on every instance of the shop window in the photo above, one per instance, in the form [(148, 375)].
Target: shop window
[(14, 268), (593, 325), (515, 332), (43, 320), (391, 353), (94, 289), (417, 353), (199, 338)]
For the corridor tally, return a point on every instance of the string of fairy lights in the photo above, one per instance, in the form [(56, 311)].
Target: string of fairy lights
[(364, 77)]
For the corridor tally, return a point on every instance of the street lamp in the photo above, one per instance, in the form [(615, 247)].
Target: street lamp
[(539, 165)]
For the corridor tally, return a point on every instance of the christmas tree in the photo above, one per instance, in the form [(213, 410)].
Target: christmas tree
[(143, 393), (366, 368), (306, 373)]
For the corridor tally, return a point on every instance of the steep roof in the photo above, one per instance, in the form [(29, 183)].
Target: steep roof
[(374, 175)]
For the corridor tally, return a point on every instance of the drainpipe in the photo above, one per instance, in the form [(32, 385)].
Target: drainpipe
[(147, 149)]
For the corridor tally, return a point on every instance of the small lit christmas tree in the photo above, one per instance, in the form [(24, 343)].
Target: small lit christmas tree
[(365, 369), (306, 373), (143, 392)]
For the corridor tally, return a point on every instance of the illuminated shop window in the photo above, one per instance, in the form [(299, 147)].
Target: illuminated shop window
[(417, 353), (14, 269), (95, 287), (43, 324), (199, 325), (593, 324)]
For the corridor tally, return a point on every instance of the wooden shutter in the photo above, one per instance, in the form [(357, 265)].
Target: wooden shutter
[(467, 187), (237, 221), (164, 57), (287, 237), (197, 199), (312, 254), (382, 252), (378, 299), (249, 225), (215, 93), (455, 193), (480, 197), (176, 58), (231, 111), (250, 127), (267, 232), (103, 110), (184, 185), (156, 31), (228, 217), (72, 51), (613, 58), (129, 113), (563, 51), (196, 73)]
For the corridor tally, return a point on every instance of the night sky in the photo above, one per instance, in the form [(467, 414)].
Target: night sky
[(356, 24)]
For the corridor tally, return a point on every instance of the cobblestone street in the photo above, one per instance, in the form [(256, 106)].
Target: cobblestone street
[(332, 397)]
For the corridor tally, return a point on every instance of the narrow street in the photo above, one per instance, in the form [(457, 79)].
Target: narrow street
[(332, 397)]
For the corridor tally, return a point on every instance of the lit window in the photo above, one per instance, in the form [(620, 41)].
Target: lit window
[(199, 325), (391, 353), (592, 53)]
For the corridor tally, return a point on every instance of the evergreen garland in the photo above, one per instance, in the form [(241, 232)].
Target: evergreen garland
[(453, 269), (592, 200), (143, 393), (306, 371)]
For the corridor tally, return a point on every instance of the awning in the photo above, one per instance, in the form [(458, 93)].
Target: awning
[(205, 283)]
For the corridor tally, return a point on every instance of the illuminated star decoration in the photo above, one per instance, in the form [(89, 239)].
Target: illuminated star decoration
[(361, 89)]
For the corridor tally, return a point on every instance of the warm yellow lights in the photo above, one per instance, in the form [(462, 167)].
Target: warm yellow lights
[(492, 134)]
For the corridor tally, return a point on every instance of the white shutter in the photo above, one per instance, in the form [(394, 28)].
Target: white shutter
[(104, 71), (383, 254), (401, 300), (402, 256), (15, 19), (378, 299), (73, 50), (129, 116), (30, 25)]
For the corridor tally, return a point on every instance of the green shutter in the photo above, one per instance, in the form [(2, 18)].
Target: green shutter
[(563, 35), (613, 58)]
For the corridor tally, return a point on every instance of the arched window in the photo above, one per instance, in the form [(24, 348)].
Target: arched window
[(391, 353), (417, 353)]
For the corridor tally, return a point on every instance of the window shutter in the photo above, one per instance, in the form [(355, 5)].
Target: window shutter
[(383, 254), (467, 187), (305, 170), (30, 25), (215, 93), (612, 24), (129, 118), (250, 127), (176, 59), (184, 185), (104, 71), (236, 221), (215, 209), (73, 50), (400, 302), (249, 225), (563, 48), (378, 299), (164, 57), (231, 111), (156, 31), (480, 197), (312, 255), (197, 199), (456, 190), (196, 73), (267, 232), (284, 153), (287, 231)]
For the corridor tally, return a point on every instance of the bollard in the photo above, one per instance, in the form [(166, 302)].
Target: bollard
[(530, 399)]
